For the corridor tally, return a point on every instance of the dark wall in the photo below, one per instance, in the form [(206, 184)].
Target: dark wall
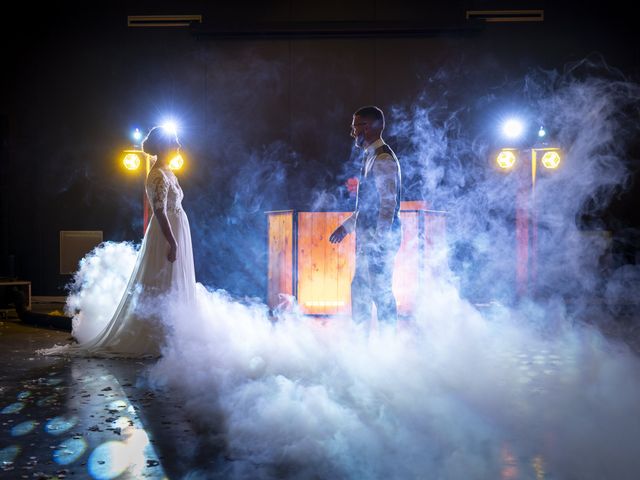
[(264, 117)]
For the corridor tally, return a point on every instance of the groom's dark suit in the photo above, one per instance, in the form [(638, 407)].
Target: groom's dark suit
[(378, 234)]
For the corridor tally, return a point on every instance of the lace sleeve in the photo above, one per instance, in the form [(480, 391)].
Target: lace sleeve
[(158, 188)]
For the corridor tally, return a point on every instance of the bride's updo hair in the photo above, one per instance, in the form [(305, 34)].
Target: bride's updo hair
[(159, 140)]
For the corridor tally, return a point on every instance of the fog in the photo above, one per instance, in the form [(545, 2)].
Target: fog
[(482, 383)]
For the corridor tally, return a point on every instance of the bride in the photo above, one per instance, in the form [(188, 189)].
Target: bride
[(163, 270)]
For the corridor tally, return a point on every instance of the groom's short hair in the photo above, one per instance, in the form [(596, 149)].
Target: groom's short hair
[(372, 113)]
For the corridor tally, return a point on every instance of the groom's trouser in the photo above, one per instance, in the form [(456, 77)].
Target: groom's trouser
[(372, 281)]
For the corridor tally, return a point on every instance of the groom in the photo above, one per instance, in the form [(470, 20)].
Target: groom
[(375, 220)]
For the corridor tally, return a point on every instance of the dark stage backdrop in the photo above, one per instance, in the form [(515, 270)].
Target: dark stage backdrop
[(264, 111)]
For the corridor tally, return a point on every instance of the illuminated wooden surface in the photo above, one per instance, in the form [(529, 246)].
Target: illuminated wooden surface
[(303, 263), (324, 269), (435, 249), (406, 272), (280, 268)]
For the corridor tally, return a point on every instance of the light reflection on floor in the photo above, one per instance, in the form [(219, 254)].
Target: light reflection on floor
[(515, 469), (69, 451), (8, 455), (23, 428), (536, 366), (80, 418), (96, 432), (60, 425), (97, 429), (13, 408)]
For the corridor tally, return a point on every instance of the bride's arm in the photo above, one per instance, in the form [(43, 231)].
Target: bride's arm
[(168, 234), (160, 190)]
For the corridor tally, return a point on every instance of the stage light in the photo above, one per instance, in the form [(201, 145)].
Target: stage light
[(176, 162), (136, 135), (542, 132), (512, 128), (132, 159), (506, 159), (170, 126), (551, 159)]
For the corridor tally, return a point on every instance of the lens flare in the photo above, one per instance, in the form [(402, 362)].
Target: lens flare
[(170, 126), (512, 128)]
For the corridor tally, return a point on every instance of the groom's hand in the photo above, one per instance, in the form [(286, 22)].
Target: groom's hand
[(338, 234)]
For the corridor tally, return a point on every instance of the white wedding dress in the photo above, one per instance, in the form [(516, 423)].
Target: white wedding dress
[(138, 327)]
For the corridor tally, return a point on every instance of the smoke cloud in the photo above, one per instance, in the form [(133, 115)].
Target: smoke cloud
[(478, 385)]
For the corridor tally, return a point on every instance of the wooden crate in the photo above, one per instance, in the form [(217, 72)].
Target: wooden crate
[(304, 265)]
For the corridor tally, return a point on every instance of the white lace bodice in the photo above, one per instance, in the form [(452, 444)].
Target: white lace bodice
[(163, 191)]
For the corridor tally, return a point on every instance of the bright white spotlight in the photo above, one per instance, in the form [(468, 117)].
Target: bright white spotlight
[(542, 132), (170, 126), (512, 128), (137, 134)]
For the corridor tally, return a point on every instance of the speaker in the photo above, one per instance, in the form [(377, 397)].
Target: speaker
[(74, 245)]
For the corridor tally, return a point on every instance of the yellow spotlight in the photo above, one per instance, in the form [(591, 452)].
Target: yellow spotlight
[(176, 162), (506, 159), (131, 159), (551, 159)]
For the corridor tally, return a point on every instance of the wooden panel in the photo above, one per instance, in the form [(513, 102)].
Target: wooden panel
[(345, 267), (305, 262), (280, 269), (435, 249), (324, 270), (406, 272), (413, 205)]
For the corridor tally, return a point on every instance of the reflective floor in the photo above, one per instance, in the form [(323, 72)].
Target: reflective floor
[(85, 418), (99, 419)]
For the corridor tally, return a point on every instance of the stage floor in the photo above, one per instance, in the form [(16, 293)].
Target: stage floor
[(97, 418), (87, 418)]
